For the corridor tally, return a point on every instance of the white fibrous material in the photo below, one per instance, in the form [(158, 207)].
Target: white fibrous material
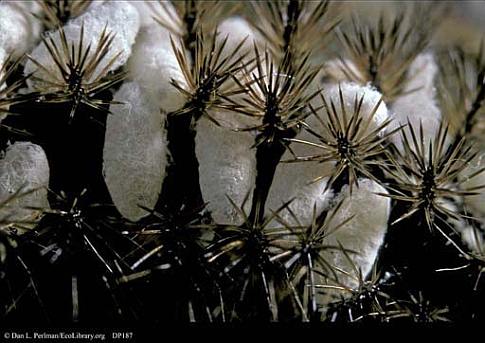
[(304, 196), (135, 155), (237, 29), (364, 233), (24, 179), (153, 65), (119, 17), (145, 11), (227, 167), (294, 181), (351, 91), (419, 106), (302, 173), (150, 9), (19, 30)]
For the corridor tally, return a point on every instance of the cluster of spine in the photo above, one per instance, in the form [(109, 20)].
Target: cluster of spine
[(174, 161)]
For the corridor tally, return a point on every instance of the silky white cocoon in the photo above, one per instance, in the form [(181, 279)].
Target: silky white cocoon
[(119, 17), (23, 169), (135, 155), (302, 173), (227, 167), (145, 11), (419, 106), (293, 181), (363, 234), (237, 29), (153, 65), (305, 196), (19, 29), (350, 92), (149, 9)]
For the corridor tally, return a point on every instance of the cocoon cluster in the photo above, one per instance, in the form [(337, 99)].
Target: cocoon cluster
[(135, 155), (135, 152), (301, 189), (24, 171)]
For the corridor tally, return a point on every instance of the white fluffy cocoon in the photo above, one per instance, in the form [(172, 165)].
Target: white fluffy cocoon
[(227, 167), (153, 65), (350, 92), (304, 193), (305, 198), (23, 170), (121, 19), (19, 29), (135, 155), (363, 234), (149, 9), (419, 106), (237, 29)]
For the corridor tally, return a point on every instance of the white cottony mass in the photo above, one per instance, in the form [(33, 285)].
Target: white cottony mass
[(148, 9), (294, 181), (350, 92), (119, 17), (153, 65), (302, 189), (227, 168), (135, 155), (363, 234), (19, 29), (419, 105), (237, 29), (24, 179)]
